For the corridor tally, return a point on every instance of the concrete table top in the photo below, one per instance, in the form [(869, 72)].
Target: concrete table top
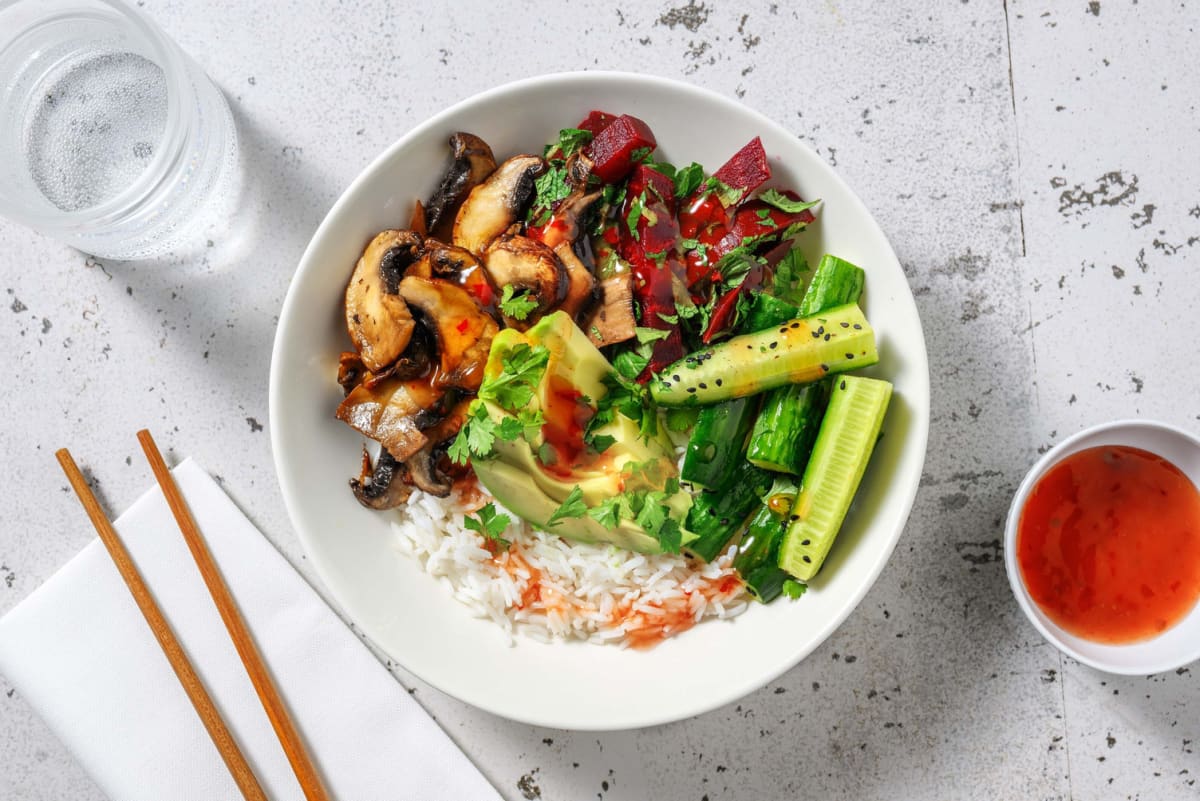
[(1034, 166)]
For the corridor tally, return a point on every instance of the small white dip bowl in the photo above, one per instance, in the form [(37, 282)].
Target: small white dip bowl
[(1175, 647)]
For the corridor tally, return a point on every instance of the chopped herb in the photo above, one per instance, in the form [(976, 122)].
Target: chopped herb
[(531, 421), (636, 209), (612, 194), (794, 589), (630, 364), (688, 179), (788, 281), (572, 506), (681, 418), (599, 443), (551, 187), (728, 195), (669, 319), (653, 514), (608, 512), (670, 535), (645, 334), (640, 154), (510, 429), (517, 306), (595, 332), (490, 523), (475, 438), (773, 197), (573, 139), (521, 370)]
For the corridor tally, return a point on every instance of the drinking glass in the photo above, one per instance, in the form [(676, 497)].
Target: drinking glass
[(111, 138)]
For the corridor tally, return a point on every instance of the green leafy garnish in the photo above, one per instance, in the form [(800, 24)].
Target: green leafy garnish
[(572, 506), (630, 364), (608, 512), (670, 535), (490, 523), (681, 418), (636, 209), (669, 319), (475, 438), (688, 179), (794, 589), (640, 154), (599, 443), (572, 139), (773, 197), (521, 370), (728, 195), (551, 187), (788, 282), (517, 306), (645, 334)]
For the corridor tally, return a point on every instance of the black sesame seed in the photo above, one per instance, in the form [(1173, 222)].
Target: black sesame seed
[(724, 521), (691, 389), (816, 335), (794, 325), (712, 512), (845, 325), (858, 326), (806, 542), (718, 382), (849, 355), (821, 329), (843, 384), (824, 368), (703, 385), (774, 345), (807, 559), (783, 330), (794, 517), (676, 377), (827, 336)]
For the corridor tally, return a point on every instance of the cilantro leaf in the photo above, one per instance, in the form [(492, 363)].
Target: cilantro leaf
[(607, 513), (531, 421), (793, 589), (551, 187), (509, 429), (572, 506), (773, 197), (490, 523), (475, 438), (688, 179), (681, 418), (517, 306), (645, 334), (599, 443), (653, 514), (670, 535), (636, 209), (521, 370)]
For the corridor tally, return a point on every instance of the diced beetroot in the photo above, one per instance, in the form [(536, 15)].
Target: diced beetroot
[(747, 169), (722, 313), (756, 218), (611, 151), (655, 263), (596, 121)]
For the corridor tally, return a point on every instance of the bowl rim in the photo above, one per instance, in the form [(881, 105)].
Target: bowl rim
[(1017, 583), (919, 424)]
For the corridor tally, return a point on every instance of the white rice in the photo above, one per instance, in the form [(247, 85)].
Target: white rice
[(549, 588)]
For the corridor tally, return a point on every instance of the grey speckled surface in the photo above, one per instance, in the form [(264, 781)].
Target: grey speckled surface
[(1033, 165)]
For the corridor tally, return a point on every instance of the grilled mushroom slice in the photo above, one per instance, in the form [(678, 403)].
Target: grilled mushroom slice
[(394, 412), (496, 203), (381, 486), (351, 371), (530, 268), (422, 466), (611, 320), (377, 318), (473, 162), (443, 261), (462, 330), (560, 234)]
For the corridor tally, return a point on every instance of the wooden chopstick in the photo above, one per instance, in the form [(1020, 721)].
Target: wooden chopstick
[(243, 776), (268, 694)]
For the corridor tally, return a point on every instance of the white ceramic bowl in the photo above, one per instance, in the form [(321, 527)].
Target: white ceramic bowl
[(413, 618), (1175, 647)]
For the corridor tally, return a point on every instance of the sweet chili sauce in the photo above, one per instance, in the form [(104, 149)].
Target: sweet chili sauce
[(1109, 544)]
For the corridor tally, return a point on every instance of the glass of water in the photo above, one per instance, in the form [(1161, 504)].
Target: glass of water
[(111, 138)]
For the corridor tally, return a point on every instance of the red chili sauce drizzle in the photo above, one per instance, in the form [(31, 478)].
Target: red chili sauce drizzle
[(1109, 544), (566, 416)]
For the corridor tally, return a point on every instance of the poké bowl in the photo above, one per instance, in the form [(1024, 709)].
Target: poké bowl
[(416, 620)]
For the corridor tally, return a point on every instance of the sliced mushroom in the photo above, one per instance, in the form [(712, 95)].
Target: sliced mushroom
[(496, 203), (561, 234), (462, 330), (414, 362), (393, 412), (612, 321), (443, 261), (351, 371), (381, 486), (531, 269), (579, 169), (473, 162), (422, 466), (377, 318)]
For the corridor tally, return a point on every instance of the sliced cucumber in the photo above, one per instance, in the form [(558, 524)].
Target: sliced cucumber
[(797, 352), (835, 282), (717, 443), (787, 426), (844, 444)]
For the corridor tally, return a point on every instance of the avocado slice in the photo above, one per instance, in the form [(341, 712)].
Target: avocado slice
[(533, 478)]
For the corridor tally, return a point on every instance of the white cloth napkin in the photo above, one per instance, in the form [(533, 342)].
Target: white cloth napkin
[(79, 650)]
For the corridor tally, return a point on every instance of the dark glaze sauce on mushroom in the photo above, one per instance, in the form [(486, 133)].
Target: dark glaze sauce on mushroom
[(422, 308)]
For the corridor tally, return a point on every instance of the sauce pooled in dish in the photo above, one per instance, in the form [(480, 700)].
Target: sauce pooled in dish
[(1109, 544)]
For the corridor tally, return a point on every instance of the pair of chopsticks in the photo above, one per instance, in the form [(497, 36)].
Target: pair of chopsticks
[(264, 686)]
